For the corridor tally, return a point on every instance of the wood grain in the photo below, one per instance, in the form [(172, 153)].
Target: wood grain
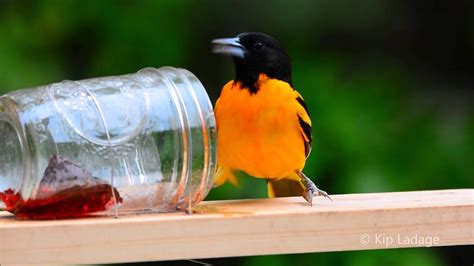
[(248, 227)]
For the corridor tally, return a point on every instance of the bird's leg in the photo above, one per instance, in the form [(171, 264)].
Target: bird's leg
[(311, 189)]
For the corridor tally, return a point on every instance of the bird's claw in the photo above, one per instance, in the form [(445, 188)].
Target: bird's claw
[(314, 191), (311, 190)]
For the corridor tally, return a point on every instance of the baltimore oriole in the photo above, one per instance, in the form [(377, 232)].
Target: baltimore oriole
[(263, 125)]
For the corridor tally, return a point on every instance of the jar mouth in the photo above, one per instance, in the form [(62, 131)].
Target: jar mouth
[(197, 132), (194, 131), (12, 156)]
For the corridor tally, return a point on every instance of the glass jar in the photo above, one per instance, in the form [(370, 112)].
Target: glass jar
[(125, 144)]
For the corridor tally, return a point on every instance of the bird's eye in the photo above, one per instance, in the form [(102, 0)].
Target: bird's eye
[(258, 46)]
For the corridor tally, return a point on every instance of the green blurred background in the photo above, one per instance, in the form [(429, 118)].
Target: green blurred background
[(389, 84)]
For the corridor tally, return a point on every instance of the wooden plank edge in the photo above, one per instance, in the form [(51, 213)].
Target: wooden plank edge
[(234, 230)]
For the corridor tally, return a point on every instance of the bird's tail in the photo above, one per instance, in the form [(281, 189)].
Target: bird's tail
[(284, 188), (224, 174), (276, 188)]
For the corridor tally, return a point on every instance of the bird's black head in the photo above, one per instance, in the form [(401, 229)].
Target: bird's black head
[(254, 54)]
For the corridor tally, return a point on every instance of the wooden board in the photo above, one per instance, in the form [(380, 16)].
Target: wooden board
[(249, 227)]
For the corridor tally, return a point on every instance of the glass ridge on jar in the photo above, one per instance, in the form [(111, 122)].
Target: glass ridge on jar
[(139, 142)]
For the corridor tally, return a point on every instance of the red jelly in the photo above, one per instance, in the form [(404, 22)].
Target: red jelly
[(68, 203), (66, 191)]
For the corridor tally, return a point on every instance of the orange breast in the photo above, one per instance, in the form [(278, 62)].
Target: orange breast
[(259, 133)]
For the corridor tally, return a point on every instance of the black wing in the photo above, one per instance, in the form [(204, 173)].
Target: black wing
[(308, 139)]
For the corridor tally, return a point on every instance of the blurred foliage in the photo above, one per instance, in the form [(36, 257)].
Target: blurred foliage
[(388, 84)]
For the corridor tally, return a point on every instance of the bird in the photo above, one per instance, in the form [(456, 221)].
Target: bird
[(263, 123)]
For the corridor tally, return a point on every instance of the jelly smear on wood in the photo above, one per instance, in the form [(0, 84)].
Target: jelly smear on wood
[(66, 191)]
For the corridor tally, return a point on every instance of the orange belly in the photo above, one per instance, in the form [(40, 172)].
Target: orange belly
[(259, 133)]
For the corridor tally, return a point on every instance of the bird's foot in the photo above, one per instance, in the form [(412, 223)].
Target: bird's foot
[(311, 189), (314, 192)]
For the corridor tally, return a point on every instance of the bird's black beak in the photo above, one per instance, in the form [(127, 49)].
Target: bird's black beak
[(229, 46)]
